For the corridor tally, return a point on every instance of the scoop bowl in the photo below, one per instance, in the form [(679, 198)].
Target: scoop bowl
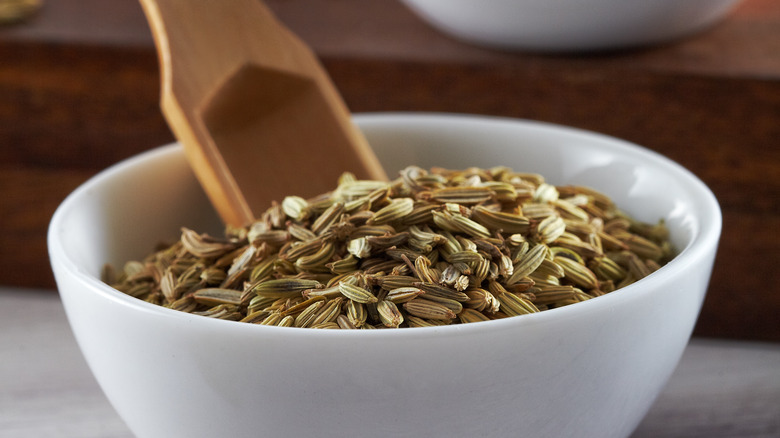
[(592, 369)]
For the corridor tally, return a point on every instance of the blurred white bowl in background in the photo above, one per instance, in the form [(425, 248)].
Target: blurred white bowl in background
[(570, 25)]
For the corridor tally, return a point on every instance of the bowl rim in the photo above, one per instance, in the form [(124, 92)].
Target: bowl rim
[(705, 235)]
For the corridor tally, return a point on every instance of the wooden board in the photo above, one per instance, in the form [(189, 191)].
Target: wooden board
[(79, 92)]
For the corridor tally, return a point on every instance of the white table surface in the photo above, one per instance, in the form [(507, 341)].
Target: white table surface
[(720, 389)]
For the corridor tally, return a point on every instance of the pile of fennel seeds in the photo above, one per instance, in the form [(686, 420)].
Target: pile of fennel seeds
[(433, 247)]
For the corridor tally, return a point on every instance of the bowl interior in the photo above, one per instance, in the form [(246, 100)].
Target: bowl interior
[(647, 185), (123, 212)]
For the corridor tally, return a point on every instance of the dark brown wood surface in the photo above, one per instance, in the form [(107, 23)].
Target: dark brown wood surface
[(79, 92)]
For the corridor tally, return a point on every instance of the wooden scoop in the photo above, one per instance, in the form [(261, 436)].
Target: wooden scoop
[(257, 114)]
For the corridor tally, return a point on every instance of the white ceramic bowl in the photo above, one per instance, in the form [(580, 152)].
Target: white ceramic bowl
[(570, 25), (587, 370)]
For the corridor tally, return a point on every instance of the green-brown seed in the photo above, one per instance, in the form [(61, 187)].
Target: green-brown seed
[(357, 293), (427, 309), (285, 287)]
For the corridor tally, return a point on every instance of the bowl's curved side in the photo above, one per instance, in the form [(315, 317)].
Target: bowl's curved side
[(595, 371), (594, 367)]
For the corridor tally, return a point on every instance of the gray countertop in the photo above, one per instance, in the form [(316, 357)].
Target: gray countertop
[(720, 389)]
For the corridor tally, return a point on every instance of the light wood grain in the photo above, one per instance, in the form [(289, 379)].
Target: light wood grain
[(46, 388), (721, 389), (257, 114)]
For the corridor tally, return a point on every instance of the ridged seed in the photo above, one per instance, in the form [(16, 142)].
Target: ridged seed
[(357, 293)]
